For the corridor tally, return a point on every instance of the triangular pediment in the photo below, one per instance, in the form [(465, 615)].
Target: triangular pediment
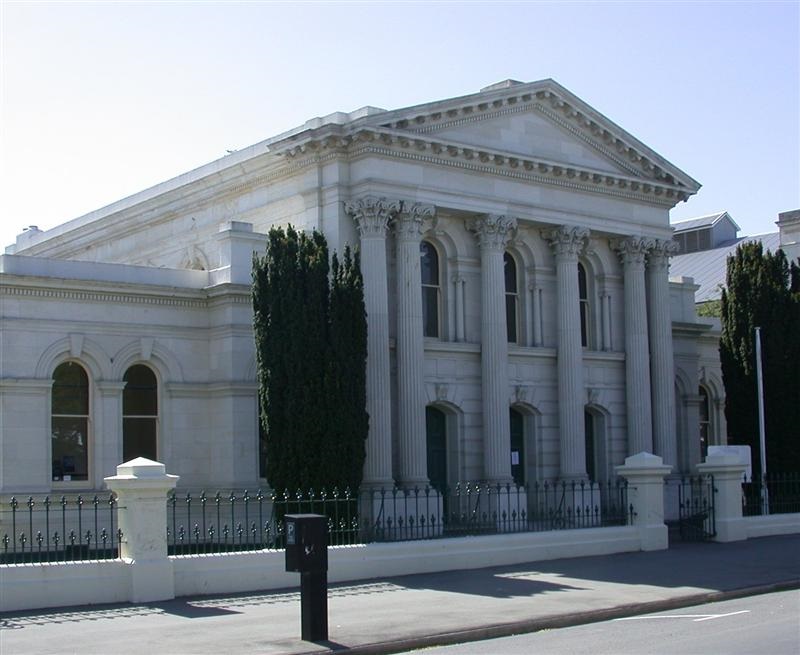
[(539, 120), (528, 134)]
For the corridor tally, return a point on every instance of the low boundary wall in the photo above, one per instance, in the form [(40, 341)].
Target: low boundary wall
[(29, 586)]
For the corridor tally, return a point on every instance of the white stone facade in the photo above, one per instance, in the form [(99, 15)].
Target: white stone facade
[(522, 177)]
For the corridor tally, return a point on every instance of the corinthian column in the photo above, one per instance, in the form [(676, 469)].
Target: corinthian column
[(567, 243), (661, 357), (493, 233), (372, 217), (410, 347), (632, 252)]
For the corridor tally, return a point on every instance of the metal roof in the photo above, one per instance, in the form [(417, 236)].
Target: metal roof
[(709, 267), (701, 221)]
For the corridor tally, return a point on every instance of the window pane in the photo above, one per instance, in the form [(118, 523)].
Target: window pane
[(511, 317), (430, 311), (70, 447), (70, 390), (584, 306), (429, 264), (510, 268), (139, 439), (140, 397), (583, 292)]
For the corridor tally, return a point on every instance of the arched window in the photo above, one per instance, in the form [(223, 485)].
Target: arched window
[(70, 423), (583, 299), (517, 422), (705, 421), (512, 297), (430, 289), (139, 414)]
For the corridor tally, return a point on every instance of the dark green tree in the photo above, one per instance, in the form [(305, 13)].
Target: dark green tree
[(307, 372), (759, 293)]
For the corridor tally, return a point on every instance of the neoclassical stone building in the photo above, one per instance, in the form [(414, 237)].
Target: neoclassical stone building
[(515, 246)]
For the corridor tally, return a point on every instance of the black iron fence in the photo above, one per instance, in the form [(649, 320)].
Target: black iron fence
[(58, 529), (228, 521), (777, 493), (696, 508)]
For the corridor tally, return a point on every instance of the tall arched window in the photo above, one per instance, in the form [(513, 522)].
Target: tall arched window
[(430, 289), (70, 423), (512, 297), (583, 299), (139, 414), (590, 434), (705, 421)]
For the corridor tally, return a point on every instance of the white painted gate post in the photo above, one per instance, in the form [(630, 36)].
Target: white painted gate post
[(645, 475), (728, 473), (141, 486)]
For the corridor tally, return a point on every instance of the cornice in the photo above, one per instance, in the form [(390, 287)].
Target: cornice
[(389, 143), (79, 295)]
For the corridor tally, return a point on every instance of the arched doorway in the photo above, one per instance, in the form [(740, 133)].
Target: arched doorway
[(436, 439), (517, 422)]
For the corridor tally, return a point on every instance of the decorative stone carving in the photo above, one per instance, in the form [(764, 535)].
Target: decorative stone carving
[(632, 250), (409, 223), (660, 252), (493, 230), (566, 241), (372, 214)]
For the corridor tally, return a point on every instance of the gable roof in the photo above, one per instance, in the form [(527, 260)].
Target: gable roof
[(703, 221)]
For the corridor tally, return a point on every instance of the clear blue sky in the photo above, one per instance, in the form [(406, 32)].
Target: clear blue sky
[(101, 100)]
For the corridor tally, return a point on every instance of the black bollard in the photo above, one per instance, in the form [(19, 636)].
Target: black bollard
[(307, 554)]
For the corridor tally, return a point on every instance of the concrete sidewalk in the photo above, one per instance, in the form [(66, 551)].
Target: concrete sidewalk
[(395, 614)]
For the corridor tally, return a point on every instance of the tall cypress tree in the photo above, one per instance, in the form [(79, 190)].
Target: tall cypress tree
[(307, 326), (758, 293)]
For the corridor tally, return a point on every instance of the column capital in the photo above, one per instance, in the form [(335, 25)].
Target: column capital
[(660, 252), (493, 230), (409, 223), (372, 214), (631, 250), (566, 241)]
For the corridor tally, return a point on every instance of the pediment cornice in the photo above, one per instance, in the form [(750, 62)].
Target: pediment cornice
[(399, 143)]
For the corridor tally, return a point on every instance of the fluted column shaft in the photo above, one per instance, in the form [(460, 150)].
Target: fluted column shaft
[(493, 233), (661, 355), (372, 217), (632, 252), (412, 454), (567, 243)]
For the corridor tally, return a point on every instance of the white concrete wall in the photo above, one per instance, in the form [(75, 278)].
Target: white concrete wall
[(29, 586)]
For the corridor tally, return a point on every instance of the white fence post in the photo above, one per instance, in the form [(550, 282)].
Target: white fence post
[(728, 472), (645, 475), (141, 486)]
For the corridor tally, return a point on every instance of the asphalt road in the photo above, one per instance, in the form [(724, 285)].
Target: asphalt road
[(768, 624)]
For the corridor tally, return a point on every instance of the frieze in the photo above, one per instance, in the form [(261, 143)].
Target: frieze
[(100, 296)]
